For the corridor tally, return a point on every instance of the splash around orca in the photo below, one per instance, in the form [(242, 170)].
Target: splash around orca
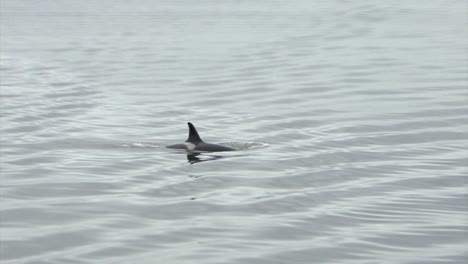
[(195, 144)]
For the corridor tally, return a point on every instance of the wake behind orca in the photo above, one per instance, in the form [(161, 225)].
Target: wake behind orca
[(195, 144)]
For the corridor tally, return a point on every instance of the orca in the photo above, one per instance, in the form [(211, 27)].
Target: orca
[(194, 144)]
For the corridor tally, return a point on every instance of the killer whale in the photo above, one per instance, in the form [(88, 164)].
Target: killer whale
[(195, 144)]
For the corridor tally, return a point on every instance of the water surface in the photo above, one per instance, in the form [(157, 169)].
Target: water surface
[(350, 118)]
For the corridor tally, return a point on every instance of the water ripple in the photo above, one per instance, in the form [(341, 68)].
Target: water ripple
[(349, 121)]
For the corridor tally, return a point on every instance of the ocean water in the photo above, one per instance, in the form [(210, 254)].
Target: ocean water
[(350, 119)]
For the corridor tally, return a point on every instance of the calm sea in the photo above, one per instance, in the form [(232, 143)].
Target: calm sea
[(350, 119)]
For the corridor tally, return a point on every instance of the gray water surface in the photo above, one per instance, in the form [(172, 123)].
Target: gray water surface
[(350, 119)]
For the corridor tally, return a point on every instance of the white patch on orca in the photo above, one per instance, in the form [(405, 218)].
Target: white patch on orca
[(190, 146)]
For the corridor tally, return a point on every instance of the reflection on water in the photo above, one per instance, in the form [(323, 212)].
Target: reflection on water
[(195, 158), (349, 118)]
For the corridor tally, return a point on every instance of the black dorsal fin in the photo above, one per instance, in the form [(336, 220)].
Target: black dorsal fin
[(193, 135)]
